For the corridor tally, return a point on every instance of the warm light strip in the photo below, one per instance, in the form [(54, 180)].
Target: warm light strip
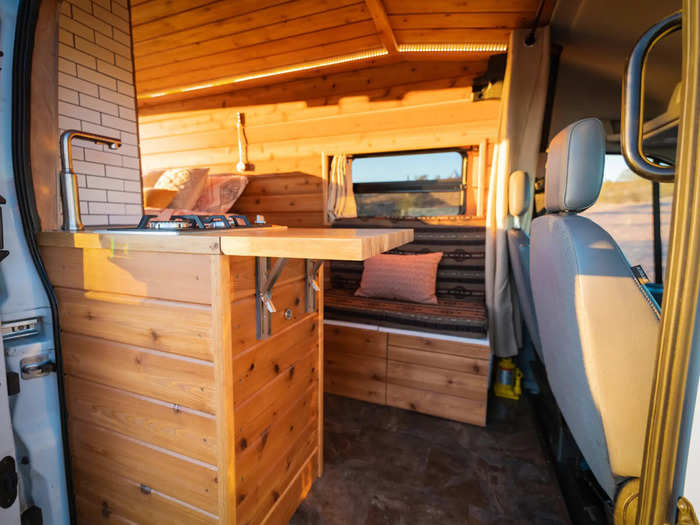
[(489, 47), (363, 55)]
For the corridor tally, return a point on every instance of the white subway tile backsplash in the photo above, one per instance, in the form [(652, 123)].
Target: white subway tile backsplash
[(88, 168), (99, 105), (124, 197), (104, 183), (96, 94)]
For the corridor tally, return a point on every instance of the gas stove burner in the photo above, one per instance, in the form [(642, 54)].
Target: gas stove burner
[(194, 222)]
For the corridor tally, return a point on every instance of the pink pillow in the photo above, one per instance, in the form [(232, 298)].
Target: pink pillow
[(403, 277), (220, 193)]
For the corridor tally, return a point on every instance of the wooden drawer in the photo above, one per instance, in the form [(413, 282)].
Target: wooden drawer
[(468, 365), (158, 375), (435, 404), (99, 450), (438, 380), (187, 432), (177, 328), (107, 498), (355, 341), (355, 363), (340, 384), (443, 346)]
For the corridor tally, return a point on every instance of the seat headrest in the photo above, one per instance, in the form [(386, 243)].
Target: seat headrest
[(518, 193), (575, 162)]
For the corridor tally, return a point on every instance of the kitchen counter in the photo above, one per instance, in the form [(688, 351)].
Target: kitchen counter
[(275, 241), (188, 399)]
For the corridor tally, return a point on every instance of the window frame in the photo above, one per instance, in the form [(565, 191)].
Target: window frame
[(423, 186)]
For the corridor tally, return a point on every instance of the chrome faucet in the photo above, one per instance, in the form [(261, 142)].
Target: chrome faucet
[(69, 180)]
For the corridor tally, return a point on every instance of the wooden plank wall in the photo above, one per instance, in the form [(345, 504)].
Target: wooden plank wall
[(399, 106), (141, 390)]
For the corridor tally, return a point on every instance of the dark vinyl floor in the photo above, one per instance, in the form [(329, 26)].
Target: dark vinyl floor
[(387, 466)]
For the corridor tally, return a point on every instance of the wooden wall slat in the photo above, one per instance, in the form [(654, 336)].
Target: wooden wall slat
[(441, 405), (173, 475), (438, 380), (256, 367), (296, 492), (355, 341), (288, 296), (132, 273), (263, 495), (224, 19), (179, 328), (259, 412), (152, 374), (229, 50), (471, 20), (285, 30), (123, 499), (431, 36), (173, 78), (199, 16), (279, 437), (459, 6), (167, 426)]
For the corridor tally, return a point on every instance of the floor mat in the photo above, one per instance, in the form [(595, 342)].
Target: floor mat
[(387, 466)]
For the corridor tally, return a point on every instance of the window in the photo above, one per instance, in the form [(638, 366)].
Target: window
[(625, 209), (425, 184)]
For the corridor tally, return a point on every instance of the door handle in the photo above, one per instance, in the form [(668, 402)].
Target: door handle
[(36, 366), (3, 253)]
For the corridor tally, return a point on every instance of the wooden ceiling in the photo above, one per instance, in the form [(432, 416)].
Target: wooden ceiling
[(186, 44)]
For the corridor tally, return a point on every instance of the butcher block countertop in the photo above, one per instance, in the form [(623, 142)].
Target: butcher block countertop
[(275, 241)]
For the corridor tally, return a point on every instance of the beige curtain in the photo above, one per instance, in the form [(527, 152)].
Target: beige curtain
[(341, 200), (516, 148)]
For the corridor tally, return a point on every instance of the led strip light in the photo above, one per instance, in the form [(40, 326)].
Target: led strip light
[(362, 55), (489, 47)]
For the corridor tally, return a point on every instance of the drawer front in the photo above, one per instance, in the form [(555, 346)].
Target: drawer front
[(154, 374), (99, 450), (179, 429), (441, 405), (355, 341), (356, 376), (438, 380), (468, 365), (109, 499), (428, 344), (177, 328)]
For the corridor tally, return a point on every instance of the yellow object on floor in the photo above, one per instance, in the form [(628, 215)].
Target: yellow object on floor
[(508, 380)]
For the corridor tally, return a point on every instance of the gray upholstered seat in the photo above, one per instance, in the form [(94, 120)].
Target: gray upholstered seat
[(597, 324), (519, 198)]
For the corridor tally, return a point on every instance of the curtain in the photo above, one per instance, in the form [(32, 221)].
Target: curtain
[(341, 200), (516, 148)]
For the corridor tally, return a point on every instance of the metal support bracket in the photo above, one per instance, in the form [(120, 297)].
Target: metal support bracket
[(312, 286), (265, 279)]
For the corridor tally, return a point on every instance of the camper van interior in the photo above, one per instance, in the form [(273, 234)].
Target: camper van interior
[(353, 262)]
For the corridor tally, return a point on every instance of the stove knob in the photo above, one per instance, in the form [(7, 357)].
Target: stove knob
[(259, 219)]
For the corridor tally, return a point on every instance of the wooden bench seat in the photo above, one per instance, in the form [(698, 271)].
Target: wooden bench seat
[(437, 375), (450, 316)]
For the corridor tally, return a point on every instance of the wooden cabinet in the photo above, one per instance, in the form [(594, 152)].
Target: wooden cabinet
[(440, 377), (177, 412)]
